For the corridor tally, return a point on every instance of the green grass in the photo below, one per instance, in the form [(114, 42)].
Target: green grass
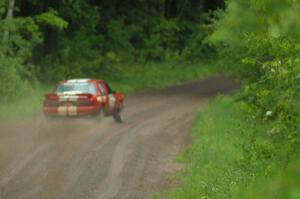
[(154, 75), (216, 142), (26, 106), (225, 162), (125, 79)]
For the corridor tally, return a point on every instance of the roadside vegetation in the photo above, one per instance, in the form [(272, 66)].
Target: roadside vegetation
[(236, 156), (248, 146)]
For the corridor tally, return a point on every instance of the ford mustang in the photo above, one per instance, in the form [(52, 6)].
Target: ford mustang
[(83, 97)]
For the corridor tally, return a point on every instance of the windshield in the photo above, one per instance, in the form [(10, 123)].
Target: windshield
[(82, 87)]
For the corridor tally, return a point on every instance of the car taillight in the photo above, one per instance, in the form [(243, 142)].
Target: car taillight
[(51, 100), (52, 96)]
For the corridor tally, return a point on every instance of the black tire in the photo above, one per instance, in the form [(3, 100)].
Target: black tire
[(117, 116)]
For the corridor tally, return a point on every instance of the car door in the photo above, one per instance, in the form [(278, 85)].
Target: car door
[(108, 97), (111, 98), (103, 98)]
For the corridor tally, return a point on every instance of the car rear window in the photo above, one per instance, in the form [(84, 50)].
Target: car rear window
[(78, 87)]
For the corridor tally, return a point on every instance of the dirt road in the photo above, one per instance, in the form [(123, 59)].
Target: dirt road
[(81, 159)]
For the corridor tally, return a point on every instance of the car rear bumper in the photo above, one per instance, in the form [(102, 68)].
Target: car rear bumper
[(71, 110)]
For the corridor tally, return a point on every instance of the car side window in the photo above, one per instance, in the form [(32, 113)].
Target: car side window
[(101, 88)]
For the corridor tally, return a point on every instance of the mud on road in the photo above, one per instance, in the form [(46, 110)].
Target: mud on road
[(81, 158)]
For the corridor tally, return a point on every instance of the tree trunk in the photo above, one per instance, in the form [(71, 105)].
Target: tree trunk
[(9, 15), (168, 8)]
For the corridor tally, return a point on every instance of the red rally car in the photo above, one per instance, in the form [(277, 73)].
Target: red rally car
[(84, 97)]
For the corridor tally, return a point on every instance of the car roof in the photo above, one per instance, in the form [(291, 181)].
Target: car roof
[(80, 80)]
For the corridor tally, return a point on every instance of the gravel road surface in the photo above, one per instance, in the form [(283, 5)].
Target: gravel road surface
[(80, 158)]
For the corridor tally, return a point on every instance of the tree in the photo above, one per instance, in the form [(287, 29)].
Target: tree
[(9, 15)]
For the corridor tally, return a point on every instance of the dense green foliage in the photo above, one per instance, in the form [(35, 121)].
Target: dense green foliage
[(18, 38), (266, 43), (254, 153), (49, 40)]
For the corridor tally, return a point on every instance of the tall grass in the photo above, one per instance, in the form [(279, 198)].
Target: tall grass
[(156, 75), (26, 106)]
